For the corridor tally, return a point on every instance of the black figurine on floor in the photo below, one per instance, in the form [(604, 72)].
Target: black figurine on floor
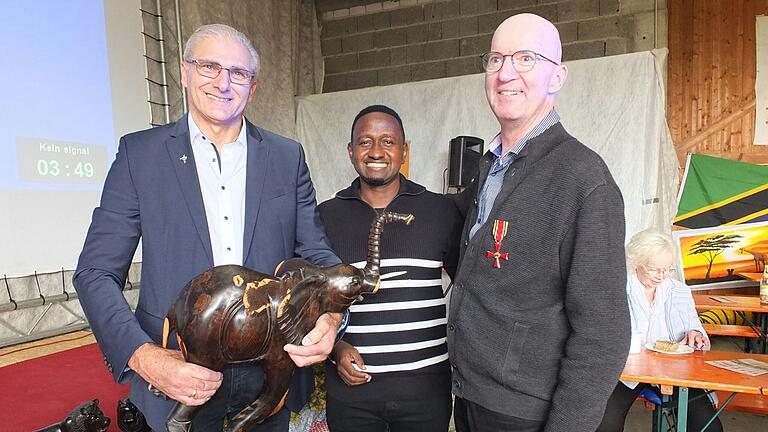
[(129, 418), (87, 417)]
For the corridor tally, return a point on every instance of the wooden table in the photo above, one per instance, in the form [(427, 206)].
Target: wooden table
[(739, 304), (690, 371)]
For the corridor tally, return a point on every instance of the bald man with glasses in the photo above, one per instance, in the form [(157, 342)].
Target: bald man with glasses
[(538, 328)]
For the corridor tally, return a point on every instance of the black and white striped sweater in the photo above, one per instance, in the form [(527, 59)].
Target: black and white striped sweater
[(399, 331)]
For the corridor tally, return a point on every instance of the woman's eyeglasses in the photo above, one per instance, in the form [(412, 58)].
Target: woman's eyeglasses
[(654, 271)]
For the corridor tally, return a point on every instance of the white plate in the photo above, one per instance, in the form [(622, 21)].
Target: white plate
[(681, 349)]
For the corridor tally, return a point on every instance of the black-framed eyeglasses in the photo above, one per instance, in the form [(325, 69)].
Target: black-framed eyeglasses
[(522, 61), (212, 70)]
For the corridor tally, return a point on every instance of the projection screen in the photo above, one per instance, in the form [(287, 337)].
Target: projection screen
[(74, 73)]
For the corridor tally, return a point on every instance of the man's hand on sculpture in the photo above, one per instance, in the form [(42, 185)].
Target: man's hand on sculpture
[(350, 364), (318, 343), (167, 371)]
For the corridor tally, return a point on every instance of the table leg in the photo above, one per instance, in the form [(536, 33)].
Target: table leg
[(761, 331), (719, 410), (662, 421), (682, 409), (662, 424)]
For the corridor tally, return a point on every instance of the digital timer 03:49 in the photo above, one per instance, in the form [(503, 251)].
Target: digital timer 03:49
[(42, 160), (53, 168)]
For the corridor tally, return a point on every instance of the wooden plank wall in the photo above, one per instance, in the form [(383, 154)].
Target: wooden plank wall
[(711, 78)]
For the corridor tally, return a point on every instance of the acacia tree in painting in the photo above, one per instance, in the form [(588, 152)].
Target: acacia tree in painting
[(711, 247)]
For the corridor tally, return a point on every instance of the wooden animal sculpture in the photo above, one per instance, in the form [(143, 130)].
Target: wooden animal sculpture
[(86, 417), (230, 314)]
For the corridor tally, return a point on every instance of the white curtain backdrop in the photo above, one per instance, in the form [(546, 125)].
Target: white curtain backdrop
[(615, 105)]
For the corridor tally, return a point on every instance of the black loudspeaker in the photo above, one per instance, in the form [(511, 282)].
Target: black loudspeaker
[(464, 157)]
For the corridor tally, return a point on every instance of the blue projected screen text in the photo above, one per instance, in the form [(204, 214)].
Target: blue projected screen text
[(57, 126)]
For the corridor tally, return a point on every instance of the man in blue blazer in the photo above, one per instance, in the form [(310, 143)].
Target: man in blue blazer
[(207, 190)]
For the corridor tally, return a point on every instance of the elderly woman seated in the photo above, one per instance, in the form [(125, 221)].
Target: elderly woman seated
[(661, 308)]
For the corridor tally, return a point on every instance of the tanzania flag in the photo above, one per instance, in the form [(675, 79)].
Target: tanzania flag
[(721, 192)]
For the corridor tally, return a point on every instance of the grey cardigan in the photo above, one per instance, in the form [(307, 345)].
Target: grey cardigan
[(546, 335)]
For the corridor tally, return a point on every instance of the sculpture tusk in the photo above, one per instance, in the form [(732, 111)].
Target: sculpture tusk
[(392, 274)]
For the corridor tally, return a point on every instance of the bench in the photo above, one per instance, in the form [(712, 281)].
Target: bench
[(742, 402), (744, 331), (745, 403), (731, 330)]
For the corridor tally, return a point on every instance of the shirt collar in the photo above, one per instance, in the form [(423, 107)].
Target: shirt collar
[(196, 135), (637, 290), (407, 187), (548, 121)]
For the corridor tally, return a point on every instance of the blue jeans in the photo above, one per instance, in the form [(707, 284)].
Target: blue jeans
[(240, 386)]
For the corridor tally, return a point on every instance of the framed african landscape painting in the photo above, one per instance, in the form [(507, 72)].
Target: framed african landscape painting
[(724, 256)]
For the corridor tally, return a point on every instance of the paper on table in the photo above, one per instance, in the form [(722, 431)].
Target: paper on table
[(722, 299), (749, 367)]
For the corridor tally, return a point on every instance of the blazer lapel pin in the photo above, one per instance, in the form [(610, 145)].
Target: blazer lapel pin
[(183, 158)]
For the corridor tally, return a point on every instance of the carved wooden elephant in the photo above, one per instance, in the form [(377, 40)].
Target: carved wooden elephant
[(230, 314)]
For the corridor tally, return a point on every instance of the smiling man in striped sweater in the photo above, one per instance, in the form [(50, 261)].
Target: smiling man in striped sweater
[(391, 371)]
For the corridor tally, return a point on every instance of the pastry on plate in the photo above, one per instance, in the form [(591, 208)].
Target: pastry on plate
[(666, 346)]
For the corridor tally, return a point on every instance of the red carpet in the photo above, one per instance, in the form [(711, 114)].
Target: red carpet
[(36, 393)]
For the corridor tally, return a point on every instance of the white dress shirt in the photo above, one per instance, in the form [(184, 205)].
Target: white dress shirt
[(222, 183), (647, 318), (650, 319)]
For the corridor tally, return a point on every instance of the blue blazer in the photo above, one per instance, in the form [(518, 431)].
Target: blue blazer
[(152, 193)]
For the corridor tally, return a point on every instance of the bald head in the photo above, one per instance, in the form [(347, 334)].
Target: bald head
[(522, 96), (528, 32)]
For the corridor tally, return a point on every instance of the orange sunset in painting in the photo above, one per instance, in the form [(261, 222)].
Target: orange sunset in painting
[(723, 254)]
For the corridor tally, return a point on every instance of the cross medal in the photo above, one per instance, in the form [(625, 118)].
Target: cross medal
[(499, 232)]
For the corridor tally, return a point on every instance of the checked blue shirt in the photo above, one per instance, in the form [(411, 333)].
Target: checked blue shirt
[(487, 196)]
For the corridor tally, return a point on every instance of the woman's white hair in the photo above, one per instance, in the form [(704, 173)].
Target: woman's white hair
[(226, 32), (645, 245)]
